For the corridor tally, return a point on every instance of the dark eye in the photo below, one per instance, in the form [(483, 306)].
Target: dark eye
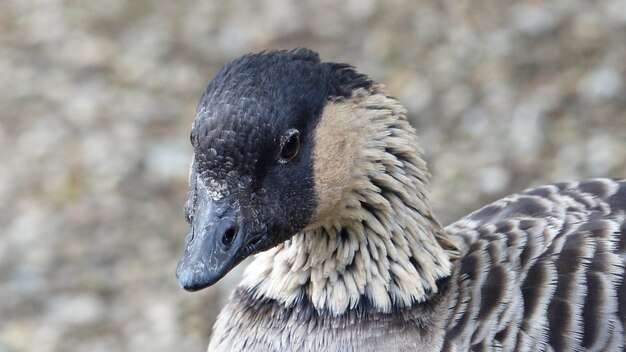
[(290, 144)]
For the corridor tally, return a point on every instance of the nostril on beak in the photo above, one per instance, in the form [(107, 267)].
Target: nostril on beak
[(229, 235)]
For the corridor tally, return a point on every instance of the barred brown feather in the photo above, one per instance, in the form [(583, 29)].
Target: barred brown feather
[(542, 270)]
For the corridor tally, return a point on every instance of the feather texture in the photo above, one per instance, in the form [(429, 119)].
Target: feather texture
[(542, 270)]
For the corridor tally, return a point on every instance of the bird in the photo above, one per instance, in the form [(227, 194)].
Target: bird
[(313, 168)]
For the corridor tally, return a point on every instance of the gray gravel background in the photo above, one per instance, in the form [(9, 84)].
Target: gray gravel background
[(97, 97)]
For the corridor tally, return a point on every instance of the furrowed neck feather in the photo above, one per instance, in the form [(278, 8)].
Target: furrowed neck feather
[(379, 241)]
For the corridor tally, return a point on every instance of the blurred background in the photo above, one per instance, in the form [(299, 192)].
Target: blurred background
[(97, 99)]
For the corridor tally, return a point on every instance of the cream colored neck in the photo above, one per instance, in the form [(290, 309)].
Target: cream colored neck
[(380, 241)]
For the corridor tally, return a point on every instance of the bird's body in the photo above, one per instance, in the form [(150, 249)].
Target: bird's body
[(542, 270), (352, 257)]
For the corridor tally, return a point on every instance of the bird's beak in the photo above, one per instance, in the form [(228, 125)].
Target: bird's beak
[(216, 243)]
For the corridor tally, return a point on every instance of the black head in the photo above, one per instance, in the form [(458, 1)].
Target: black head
[(252, 183)]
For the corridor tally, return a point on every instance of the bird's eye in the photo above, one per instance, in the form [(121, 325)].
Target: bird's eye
[(192, 139), (290, 144)]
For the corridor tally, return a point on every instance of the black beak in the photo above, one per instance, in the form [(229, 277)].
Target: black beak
[(216, 243)]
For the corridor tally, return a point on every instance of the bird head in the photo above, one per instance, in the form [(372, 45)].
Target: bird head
[(265, 163)]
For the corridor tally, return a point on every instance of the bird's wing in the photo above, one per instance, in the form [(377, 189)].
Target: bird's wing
[(542, 270)]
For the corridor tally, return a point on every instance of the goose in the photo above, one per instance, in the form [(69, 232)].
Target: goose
[(313, 168)]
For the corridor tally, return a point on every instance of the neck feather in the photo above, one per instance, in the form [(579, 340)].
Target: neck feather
[(381, 243)]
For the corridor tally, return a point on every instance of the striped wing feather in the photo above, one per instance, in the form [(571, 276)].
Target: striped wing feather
[(542, 270)]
